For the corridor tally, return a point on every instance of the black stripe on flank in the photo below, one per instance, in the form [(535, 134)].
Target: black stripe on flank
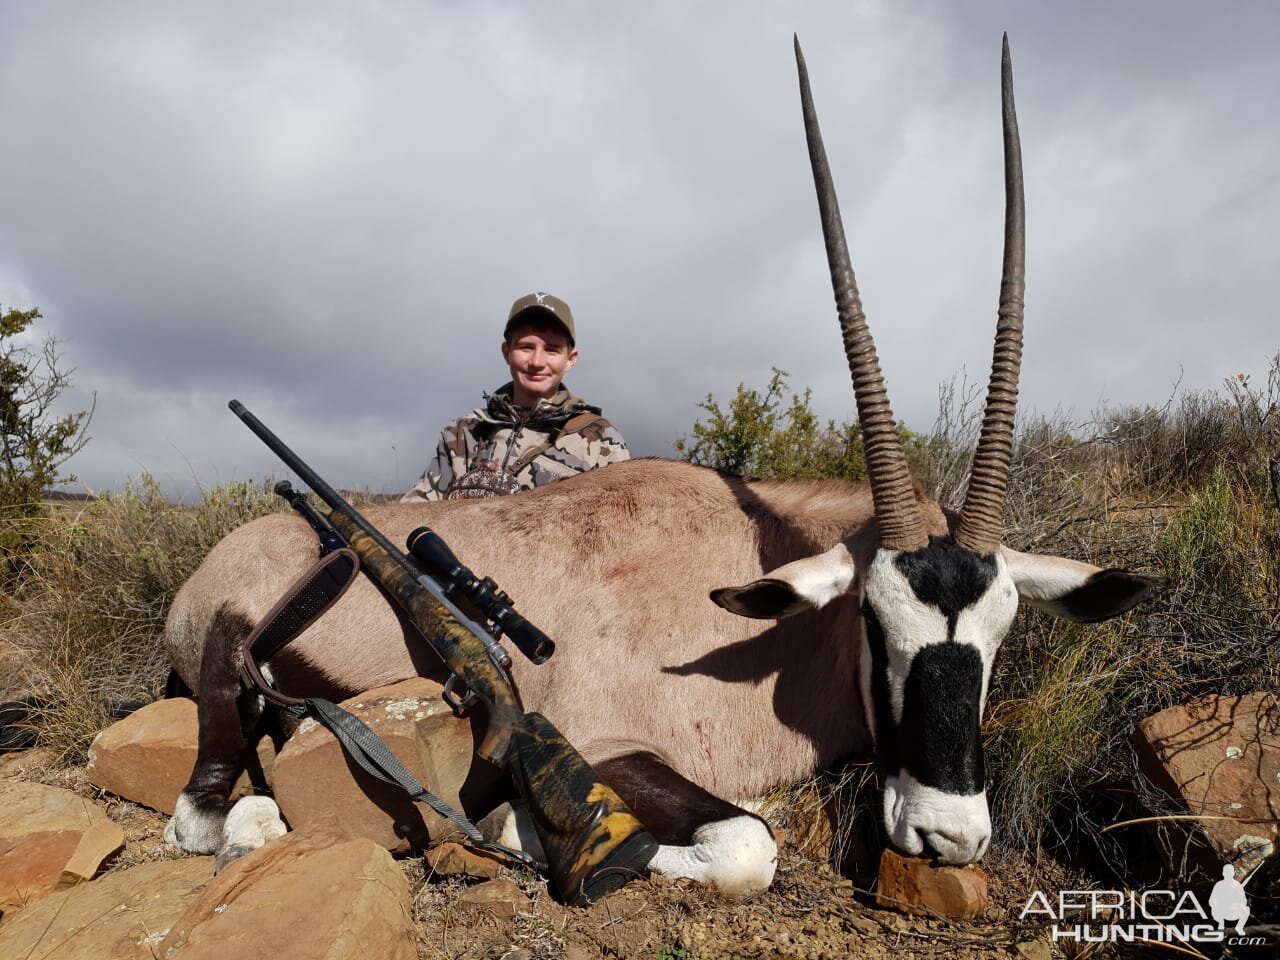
[(947, 575), (670, 806), (939, 739)]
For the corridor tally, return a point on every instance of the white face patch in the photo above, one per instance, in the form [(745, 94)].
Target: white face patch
[(909, 624), (985, 625)]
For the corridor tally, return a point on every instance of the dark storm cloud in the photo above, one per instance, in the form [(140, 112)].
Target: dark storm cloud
[(325, 211)]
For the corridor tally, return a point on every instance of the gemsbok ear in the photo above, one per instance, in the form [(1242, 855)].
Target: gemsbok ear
[(1077, 591), (807, 584)]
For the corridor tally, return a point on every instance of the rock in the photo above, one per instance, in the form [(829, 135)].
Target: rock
[(41, 828), (102, 841), (147, 757), (122, 916), (866, 926), (502, 898), (453, 860), (316, 893), (914, 885), (313, 778), (1034, 950), (1218, 756)]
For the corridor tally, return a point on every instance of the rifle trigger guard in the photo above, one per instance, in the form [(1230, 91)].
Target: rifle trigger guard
[(459, 705)]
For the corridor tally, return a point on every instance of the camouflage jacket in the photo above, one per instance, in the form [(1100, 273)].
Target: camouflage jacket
[(502, 432)]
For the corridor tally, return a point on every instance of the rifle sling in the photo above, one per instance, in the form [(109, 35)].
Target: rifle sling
[(364, 747), (302, 604)]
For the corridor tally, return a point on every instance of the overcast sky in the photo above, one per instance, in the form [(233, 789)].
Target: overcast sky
[(325, 209)]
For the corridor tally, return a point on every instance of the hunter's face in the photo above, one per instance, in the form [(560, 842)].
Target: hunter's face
[(539, 357)]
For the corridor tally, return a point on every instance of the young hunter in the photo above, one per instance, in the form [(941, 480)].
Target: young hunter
[(530, 431)]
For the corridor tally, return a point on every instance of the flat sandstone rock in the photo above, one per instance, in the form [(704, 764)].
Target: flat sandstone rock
[(914, 885), (122, 916), (314, 894), (147, 757), (1218, 756), (43, 831), (314, 779)]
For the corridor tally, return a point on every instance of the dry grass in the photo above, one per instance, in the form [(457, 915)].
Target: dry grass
[(84, 623), (1185, 491)]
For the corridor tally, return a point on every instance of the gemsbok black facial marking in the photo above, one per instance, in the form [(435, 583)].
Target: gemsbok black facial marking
[(932, 732), (947, 576), (938, 739)]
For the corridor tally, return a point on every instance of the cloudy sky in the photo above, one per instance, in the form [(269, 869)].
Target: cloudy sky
[(325, 209)]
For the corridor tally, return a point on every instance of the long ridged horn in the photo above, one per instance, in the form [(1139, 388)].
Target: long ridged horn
[(980, 518), (901, 524)]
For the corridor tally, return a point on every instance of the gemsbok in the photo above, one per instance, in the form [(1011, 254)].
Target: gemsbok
[(865, 618)]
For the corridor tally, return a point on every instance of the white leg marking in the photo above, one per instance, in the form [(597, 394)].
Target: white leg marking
[(192, 831), (517, 832), (737, 856), (251, 823)]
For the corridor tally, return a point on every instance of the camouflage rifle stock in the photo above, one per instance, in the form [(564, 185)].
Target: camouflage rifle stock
[(593, 843)]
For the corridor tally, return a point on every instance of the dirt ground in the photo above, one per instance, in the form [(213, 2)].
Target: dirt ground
[(811, 911)]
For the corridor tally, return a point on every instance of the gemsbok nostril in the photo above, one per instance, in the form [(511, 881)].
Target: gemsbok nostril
[(929, 848)]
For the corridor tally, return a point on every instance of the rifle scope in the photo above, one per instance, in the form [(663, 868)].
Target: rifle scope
[(430, 549)]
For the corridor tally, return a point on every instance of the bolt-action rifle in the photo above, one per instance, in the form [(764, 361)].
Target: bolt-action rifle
[(593, 843)]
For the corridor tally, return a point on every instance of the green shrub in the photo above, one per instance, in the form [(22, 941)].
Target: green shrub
[(768, 436), (34, 444)]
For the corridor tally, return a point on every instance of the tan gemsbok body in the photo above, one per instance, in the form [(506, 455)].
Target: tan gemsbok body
[(866, 618)]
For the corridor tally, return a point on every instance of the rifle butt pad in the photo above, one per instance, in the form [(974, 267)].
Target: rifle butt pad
[(593, 843)]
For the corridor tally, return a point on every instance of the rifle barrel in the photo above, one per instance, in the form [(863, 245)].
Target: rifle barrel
[(330, 496), (594, 843)]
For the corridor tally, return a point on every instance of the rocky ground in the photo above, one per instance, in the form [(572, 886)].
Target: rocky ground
[(811, 911), (86, 874)]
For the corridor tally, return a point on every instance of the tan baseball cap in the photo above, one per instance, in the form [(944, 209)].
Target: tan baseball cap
[(557, 308)]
